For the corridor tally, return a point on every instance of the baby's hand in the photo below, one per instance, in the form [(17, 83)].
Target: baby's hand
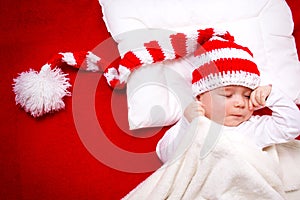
[(194, 110), (258, 96)]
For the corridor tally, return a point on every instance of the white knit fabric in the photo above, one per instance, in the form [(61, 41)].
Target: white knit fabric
[(214, 81), (91, 60), (68, 58), (224, 53)]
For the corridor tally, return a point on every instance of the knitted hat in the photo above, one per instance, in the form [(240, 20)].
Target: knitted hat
[(222, 62), (177, 45), (42, 92)]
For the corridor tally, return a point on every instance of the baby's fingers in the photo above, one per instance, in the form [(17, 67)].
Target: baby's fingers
[(254, 99), (251, 107), (259, 96), (200, 107), (262, 98)]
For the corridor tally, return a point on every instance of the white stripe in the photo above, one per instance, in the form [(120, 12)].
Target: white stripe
[(68, 58), (143, 55), (217, 37), (191, 43), (167, 49), (217, 54), (124, 73), (111, 74), (91, 60)]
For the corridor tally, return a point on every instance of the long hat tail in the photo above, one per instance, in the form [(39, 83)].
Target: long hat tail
[(42, 92)]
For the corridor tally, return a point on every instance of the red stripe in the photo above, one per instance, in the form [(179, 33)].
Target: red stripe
[(204, 35), (178, 42), (155, 51), (56, 61), (80, 57), (116, 84), (224, 65), (227, 36), (130, 60)]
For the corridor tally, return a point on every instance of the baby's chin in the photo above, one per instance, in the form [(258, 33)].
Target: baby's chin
[(231, 124), (233, 121)]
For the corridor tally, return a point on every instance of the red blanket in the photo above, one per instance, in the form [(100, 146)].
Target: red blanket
[(47, 158)]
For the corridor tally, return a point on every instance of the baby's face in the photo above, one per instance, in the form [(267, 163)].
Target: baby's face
[(227, 105)]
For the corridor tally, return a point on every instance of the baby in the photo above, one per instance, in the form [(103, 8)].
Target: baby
[(226, 90)]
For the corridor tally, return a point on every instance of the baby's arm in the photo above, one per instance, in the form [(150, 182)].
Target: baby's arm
[(283, 125), (169, 142)]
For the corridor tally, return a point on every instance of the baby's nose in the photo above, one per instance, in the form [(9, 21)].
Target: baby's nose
[(240, 101)]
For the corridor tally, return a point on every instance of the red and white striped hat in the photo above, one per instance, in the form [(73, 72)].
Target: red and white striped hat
[(222, 62), (177, 45), (42, 92)]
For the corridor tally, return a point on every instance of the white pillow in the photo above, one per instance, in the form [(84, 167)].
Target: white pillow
[(157, 94), (265, 26)]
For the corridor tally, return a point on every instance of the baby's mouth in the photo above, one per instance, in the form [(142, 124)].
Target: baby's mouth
[(236, 115)]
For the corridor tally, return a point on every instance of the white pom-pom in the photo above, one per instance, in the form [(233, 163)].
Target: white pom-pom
[(41, 92)]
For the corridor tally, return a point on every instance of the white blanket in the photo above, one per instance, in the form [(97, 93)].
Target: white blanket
[(233, 169)]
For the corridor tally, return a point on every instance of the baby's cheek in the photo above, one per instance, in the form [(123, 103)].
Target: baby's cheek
[(248, 115), (220, 112)]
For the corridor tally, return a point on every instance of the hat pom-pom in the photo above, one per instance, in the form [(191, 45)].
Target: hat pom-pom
[(41, 92)]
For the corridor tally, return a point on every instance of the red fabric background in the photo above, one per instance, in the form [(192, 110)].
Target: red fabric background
[(45, 158)]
